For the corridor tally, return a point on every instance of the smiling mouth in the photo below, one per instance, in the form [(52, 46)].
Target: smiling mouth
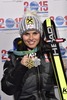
[(31, 42)]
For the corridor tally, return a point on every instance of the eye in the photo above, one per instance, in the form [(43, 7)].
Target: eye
[(26, 34), (35, 33)]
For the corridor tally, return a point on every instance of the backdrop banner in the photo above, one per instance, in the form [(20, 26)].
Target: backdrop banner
[(12, 12)]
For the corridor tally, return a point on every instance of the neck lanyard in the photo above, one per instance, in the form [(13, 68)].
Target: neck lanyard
[(21, 53)]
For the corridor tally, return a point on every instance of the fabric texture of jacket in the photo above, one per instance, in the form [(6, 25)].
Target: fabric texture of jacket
[(28, 84)]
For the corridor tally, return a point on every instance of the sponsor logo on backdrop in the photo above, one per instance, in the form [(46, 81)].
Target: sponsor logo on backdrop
[(9, 23), (63, 51), (4, 55), (41, 7), (34, 5), (60, 21), (13, 24)]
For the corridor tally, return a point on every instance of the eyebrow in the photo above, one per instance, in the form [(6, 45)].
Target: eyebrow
[(29, 32)]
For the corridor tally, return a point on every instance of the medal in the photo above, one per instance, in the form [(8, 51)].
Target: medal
[(36, 61), (30, 63), (33, 62)]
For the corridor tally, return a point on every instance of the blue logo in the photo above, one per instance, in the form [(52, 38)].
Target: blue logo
[(34, 6), (62, 50), (9, 23), (59, 20)]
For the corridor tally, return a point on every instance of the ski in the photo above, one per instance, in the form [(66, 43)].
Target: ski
[(55, 55)]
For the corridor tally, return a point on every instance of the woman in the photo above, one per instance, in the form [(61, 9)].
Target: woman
[(28, 73)]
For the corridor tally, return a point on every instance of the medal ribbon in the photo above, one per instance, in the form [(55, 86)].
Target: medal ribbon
[(21, 53)]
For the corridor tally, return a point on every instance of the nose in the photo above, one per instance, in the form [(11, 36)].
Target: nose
[(31, 36)]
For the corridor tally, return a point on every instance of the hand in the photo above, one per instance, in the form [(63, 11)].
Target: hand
[(30, 61), (27, 61), (8, 59), (24, 60)]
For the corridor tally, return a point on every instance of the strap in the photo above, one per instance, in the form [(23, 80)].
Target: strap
[(21, 53)]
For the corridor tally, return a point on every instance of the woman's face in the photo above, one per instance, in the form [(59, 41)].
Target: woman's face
[(31, 38)]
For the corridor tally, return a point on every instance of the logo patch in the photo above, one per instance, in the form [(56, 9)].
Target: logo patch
[(29, 21)]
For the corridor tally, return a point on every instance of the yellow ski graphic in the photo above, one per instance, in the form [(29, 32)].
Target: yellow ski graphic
[(57, 63)]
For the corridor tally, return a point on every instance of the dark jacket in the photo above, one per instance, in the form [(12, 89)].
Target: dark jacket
[(28, 84)]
